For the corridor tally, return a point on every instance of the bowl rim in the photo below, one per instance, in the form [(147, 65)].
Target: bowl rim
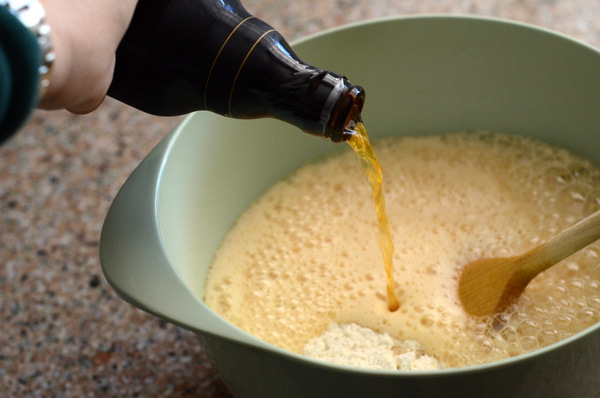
[(445, 16)]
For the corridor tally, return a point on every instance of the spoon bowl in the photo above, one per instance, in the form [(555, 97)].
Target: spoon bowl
[(489, 285)]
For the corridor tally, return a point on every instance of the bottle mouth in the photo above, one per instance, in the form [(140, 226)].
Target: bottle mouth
[(346, 114)]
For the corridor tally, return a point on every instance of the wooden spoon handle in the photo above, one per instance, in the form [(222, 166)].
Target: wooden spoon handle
[(561, 246)]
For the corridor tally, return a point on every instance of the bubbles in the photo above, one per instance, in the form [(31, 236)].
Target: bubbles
[(306, 255), (571, 199), (592, 202), (427, 320), (556, 178)]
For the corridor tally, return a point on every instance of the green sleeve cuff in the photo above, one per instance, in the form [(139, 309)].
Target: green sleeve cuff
[(20, 58)]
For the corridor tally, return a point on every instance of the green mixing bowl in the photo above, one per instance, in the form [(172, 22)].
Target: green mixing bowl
[(423, 75)]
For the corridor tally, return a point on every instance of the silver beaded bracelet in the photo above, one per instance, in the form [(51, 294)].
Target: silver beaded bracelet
[(33, 17)]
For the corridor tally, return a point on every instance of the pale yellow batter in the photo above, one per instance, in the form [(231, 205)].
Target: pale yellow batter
[(305, 254)]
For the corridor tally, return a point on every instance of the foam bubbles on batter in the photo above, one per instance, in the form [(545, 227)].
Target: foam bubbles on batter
[(305, 255)]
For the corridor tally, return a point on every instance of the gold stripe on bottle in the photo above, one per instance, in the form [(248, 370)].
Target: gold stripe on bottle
[(217, 57), (242, 67)]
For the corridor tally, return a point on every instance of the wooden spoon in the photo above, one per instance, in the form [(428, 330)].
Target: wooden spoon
[(488, 286)]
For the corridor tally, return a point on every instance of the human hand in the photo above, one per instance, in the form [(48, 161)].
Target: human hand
[(85, 34)]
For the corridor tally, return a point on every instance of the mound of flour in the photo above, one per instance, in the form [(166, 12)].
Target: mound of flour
[(353, 345)]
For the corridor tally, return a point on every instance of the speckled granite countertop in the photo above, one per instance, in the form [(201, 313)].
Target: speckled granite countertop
[(63, 331)]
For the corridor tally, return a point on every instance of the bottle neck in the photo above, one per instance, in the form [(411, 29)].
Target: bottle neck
[(341, 119), (180, 56)]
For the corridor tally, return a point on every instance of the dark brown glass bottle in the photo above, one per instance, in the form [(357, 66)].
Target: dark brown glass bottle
[(180, 56)]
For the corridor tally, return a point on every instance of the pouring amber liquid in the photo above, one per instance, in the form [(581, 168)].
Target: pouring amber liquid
[(360, 143)]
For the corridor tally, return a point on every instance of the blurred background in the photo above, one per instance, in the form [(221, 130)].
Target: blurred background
[(63, 331)]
